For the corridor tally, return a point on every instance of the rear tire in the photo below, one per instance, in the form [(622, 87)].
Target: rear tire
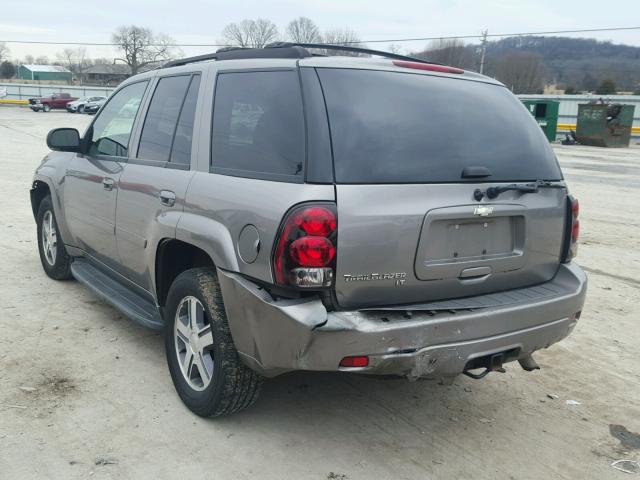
[(53, 256), (80, 109), (204, 364)]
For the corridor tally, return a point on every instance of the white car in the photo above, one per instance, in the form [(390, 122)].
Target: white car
[(77, 106)]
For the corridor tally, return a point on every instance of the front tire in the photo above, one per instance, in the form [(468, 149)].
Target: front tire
[(46, 107), (53, 256), (204, 364), (80, 109)]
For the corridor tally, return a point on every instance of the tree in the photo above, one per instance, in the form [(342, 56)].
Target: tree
[(342, 36), (75, 60), (521, 72), (141, 47), (450, 51), (250, 33), (4, 51), (7, 69), (303, 30), (42, 60), (606, 87), (570, 90), (29, 60)]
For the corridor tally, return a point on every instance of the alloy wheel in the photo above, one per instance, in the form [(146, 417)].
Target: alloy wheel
[(49, 238), (194, 343)]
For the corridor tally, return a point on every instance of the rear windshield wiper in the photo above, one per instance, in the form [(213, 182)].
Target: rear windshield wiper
[(493, 192)]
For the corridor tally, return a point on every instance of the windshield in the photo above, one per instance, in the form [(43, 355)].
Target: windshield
[(389, 127)]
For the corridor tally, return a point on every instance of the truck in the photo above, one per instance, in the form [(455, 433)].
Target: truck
[(53, 100)]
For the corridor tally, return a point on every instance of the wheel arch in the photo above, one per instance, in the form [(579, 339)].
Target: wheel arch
[(172, 258), (39, 190)]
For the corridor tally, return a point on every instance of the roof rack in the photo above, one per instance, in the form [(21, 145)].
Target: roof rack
[(237, 53), (347, 48), (284, 50)]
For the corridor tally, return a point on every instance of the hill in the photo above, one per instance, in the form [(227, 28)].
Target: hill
[(579, 63)]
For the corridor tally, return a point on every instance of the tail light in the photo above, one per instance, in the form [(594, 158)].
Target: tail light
[(574, 230), (305, 250)]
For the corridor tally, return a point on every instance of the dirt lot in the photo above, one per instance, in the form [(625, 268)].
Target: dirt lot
[(86, 393)]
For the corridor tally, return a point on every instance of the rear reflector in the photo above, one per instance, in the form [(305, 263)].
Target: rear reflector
[(427, 66), (352, 362)]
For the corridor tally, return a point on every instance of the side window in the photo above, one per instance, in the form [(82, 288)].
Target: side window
[(181, 151), (258, 125), (111, 130), (163, 118)]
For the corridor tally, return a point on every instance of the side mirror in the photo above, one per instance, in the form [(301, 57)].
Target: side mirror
[(64, 140)]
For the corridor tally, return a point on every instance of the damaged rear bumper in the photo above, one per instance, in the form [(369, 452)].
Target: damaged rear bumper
[(276, 336)]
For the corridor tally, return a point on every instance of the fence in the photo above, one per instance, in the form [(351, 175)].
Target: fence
[(24, 91), (567, 116)]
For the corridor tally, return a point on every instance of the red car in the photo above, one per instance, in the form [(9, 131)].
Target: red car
[(46, 103)]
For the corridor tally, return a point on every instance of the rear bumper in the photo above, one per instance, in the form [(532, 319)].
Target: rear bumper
[(274, 337)]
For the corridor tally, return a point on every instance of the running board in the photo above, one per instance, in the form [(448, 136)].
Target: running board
[(129, 303)]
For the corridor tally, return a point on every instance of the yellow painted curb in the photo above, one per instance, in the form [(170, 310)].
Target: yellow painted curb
[(571, 126), (9, 101)]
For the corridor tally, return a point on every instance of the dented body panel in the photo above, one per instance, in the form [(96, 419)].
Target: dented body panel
[(433, 340)]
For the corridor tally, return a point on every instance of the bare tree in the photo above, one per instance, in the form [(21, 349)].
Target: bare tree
[(450, 51), (141, 47), (343, 36), (42, 60), (4, 52), (521, 72), (250, 33), (75, 60), (303, 30), (29, 60)]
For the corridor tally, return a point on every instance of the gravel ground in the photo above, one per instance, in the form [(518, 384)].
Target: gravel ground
[(86, 393)]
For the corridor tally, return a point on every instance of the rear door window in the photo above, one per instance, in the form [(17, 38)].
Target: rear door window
[(162, 118), (389, 127), (181, 150), (258, 125)]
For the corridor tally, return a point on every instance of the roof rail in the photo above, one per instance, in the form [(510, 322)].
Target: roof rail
[(284, 50), (347, 48), (236, 53)]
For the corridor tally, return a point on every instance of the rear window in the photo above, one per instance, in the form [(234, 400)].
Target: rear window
[(389, 127), (258, 125)]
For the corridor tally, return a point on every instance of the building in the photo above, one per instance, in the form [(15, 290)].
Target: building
[(45, 73), (110, 74)]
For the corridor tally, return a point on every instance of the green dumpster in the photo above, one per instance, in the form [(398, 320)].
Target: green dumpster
[(546, 114), (604, 125)]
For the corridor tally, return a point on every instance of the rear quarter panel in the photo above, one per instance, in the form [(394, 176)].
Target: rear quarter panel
[(218, 207)]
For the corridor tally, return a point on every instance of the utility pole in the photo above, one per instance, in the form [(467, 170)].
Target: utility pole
[(484, 49)]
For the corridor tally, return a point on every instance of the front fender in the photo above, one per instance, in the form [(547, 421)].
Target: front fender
[(51, 173)]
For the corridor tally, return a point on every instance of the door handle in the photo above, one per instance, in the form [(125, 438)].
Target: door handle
[(108, 183), (167, 198)]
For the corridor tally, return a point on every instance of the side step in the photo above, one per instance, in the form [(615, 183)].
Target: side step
[(129, 303)]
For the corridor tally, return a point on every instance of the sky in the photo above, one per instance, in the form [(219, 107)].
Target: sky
[(202, 21)]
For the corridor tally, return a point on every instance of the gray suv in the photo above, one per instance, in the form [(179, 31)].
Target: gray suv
[(275, 210)]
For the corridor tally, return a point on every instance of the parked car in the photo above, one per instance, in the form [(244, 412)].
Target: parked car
[(93, 106), (53, 100), (78, 106), (272, 210)]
